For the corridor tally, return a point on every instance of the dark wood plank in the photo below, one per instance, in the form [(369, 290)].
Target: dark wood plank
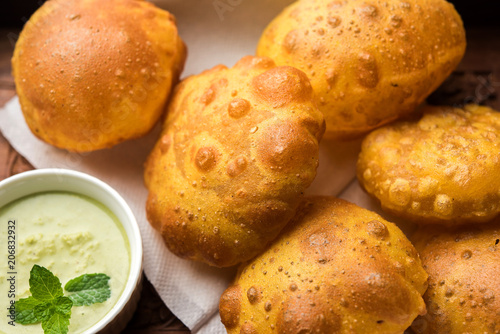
[(11, 162), (8, 38), (477, 78)]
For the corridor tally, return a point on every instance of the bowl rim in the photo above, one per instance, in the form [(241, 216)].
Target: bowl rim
[(134, 237)]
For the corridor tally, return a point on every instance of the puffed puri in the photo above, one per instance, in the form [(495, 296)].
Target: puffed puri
[(91, 74), (463, 263), (238, 148), (370, 62), (335, 268), (440, 169)]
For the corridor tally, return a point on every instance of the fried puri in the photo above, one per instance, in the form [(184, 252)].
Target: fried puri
[(463, 264), (335, 268), (443, 168), (369, 62), (90, 74), (238, 148)]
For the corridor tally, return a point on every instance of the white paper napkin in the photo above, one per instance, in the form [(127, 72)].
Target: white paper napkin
[(216, 32)]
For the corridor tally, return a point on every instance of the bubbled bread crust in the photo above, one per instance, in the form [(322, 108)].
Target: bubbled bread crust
[(463, 263), (442, 168), (239, 147), (91, 74), (335, 268), (369, 61)]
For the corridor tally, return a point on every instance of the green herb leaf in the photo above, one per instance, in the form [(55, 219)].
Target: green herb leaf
[(25, 311), (89, 289), (57, 324), (63, 305), (60, 305), (44, 286), (87, 282), (44, 311), (49, 306)]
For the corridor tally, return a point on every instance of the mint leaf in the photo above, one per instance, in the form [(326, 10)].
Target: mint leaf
[(25, 311), (44, 311), (57, 324), (87, 282), (49, 306), (88, 289), (44, 286), (63, 305)]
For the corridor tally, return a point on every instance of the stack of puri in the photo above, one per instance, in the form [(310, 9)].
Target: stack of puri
[(441, 172), (240, 145), (337, 268)]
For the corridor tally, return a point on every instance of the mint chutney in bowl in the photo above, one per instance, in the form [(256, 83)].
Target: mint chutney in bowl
[(60, 226)]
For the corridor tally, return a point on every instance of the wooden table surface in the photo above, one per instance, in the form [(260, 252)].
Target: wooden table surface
[(476, 80)]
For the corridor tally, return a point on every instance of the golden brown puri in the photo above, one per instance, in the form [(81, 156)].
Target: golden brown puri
[(238, 148), (91, 74), (463, 264), (335, 268), (442, 169), (369, 61)]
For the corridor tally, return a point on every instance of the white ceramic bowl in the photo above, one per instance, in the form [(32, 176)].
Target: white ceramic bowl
[(42, 180)]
